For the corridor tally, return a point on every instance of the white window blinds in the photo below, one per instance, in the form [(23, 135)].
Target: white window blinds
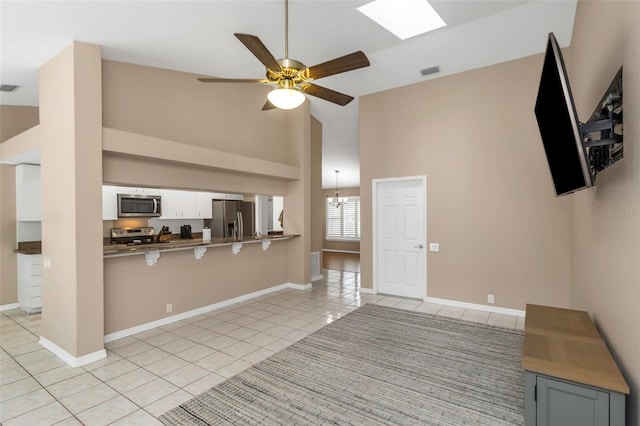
[(343, 223)]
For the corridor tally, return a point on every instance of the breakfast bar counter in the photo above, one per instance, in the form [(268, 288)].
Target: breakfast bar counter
[(199, 246)]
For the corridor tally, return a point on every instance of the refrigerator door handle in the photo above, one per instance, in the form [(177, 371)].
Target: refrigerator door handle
[(240, 227)]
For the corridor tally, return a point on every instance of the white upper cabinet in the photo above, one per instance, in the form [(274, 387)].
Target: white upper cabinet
[(178, 204), (186, 204), (141, 191), (28, 193), (204, 205), (109, 202)]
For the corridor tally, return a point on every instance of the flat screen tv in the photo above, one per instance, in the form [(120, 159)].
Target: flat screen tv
[(559, 126)]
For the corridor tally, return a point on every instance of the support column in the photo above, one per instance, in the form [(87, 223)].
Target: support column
[(297, 200), (71, 161)]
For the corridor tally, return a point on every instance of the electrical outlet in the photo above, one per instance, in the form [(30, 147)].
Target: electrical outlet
[(490, 299), (169, 308)]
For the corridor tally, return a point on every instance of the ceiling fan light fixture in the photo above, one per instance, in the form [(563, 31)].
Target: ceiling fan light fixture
[(286, 98)]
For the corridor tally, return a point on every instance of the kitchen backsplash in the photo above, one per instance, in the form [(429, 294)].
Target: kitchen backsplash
[(157, 224), (175, 224)]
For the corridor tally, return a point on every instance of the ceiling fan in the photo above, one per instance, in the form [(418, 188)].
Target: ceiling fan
[(292, 79)]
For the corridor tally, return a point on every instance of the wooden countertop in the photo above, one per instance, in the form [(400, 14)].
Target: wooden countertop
[(565, 343)]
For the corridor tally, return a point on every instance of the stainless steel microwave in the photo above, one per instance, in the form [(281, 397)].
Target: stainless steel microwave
[(137, 205)]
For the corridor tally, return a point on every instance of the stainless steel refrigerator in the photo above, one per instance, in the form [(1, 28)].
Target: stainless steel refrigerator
[(233, 219)]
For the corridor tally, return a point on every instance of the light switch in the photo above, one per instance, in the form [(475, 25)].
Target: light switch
[(434, 247), (46, 262)]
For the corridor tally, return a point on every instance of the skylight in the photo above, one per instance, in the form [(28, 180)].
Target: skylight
[(404, 18)]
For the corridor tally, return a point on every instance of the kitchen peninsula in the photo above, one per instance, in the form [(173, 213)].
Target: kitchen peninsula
[(197, 244), (179, 285)]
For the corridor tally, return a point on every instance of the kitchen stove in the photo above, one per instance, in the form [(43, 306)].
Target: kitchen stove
[(132, 236)]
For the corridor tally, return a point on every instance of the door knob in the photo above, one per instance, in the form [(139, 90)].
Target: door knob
[(419, 246)]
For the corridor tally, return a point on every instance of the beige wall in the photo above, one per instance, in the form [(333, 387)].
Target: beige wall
[(317, 197), (297, 199), (16, 119), (176, 106), (606, 219), (8, 238), (71, 173), (13, 120), (337, 245), (490, 199), (136, 293), (134, 171)]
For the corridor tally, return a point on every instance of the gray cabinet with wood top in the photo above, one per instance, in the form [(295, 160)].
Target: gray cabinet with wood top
[(553, 402), (571, 378)]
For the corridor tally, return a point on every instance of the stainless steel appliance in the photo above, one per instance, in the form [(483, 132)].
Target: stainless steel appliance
[(138, 205), (233, 219), (132, 236)]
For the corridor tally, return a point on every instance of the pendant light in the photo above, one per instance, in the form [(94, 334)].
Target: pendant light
[(336, 202)]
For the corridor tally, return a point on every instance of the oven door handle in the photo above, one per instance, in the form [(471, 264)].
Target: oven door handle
[(155, 206)]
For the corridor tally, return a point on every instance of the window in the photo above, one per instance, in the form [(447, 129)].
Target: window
[(343, 223)]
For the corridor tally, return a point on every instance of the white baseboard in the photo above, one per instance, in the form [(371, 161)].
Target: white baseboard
[(295, 286), (317, 277), (9, 306), (192, 313), (476, 306), (466, 305), (70, 359), (341, 251)]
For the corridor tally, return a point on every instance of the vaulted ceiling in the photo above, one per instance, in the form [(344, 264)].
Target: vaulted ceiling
[(197, 36)]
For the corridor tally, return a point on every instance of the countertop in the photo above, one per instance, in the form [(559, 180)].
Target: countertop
[(181, 244), (565, 343), (29, 247), (35, 247)]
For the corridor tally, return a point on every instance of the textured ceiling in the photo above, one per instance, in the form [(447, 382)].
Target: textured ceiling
[(197, 36)]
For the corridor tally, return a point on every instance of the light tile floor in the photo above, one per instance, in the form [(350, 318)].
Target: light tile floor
[(147, 374)]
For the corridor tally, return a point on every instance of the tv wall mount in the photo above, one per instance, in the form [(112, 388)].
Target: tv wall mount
[(602, 134)]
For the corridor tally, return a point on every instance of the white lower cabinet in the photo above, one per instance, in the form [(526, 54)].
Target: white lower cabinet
[(30, 282)]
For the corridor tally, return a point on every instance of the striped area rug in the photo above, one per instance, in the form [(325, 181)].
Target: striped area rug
[(376, 366)]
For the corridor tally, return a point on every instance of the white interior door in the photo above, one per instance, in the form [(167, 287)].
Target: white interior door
[(400, 260)]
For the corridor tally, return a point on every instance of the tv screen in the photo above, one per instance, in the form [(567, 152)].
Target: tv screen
[(558, 123)]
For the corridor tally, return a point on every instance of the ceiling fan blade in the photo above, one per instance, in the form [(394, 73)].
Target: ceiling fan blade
[(327, 94), (349, 62), (269, 106), (259, 50), (228, 80)]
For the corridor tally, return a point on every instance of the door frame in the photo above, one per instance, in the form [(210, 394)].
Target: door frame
[(374, 216)]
